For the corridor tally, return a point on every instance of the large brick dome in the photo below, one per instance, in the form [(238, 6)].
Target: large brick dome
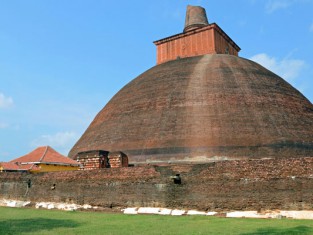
[(202, 108)]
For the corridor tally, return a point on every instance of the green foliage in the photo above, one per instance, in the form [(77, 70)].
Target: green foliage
[(30, 221)]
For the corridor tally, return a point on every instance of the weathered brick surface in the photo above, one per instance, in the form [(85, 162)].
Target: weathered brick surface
[(195, 18), (118, 159), (91, 160), (201, 109), (229, 185)]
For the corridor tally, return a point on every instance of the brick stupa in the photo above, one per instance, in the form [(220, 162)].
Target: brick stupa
[(202, 103)]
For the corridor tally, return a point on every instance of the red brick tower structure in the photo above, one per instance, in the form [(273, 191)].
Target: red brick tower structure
[(199, 38), (202, 103)]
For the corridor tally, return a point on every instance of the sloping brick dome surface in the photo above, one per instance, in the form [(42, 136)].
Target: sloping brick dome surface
[(211, 107)]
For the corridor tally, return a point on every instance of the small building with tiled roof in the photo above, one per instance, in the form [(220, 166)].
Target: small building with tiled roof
[(42, 159), (17, 167)]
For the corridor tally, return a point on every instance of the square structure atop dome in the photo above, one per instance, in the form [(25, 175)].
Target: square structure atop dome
[(197, 39)]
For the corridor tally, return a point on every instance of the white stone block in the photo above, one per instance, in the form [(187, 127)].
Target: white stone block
[(61, 206), (86, 206), (271, 215), (240, 214), (70, 207), (19, 204), (11, 203), (148, 210), (130, 211), (165, 211), (178, 212), (211, 213), (298, 214), (194, 212), (26, 203)]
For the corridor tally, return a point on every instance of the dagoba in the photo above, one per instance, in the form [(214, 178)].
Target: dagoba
[(201, 103)]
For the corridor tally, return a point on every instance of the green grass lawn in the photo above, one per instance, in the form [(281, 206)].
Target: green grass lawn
[(32, 221)]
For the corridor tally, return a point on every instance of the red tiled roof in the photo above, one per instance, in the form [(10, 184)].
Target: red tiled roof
[(9, 166), (45, 154), (12, 166)]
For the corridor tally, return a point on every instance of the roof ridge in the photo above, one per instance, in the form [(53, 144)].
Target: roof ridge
[(44, 154)]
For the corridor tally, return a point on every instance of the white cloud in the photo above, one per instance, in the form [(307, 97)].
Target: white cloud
[(273, 5), (63, 141), (5, 102), (288, 69)]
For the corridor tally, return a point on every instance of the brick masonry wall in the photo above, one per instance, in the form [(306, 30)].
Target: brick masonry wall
[(118, 159), (208, 40), (90, 163), (229, 185)]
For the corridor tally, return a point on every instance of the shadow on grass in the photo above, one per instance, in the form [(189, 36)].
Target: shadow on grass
[(35, 225), (282, 231)]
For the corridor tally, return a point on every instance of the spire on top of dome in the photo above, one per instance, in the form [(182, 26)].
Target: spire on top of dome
[(195, 18)]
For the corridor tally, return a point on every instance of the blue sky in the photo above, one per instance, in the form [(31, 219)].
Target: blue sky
[(62, 61)]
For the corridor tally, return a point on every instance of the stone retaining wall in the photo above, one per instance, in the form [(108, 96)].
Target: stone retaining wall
[(285, 184)]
